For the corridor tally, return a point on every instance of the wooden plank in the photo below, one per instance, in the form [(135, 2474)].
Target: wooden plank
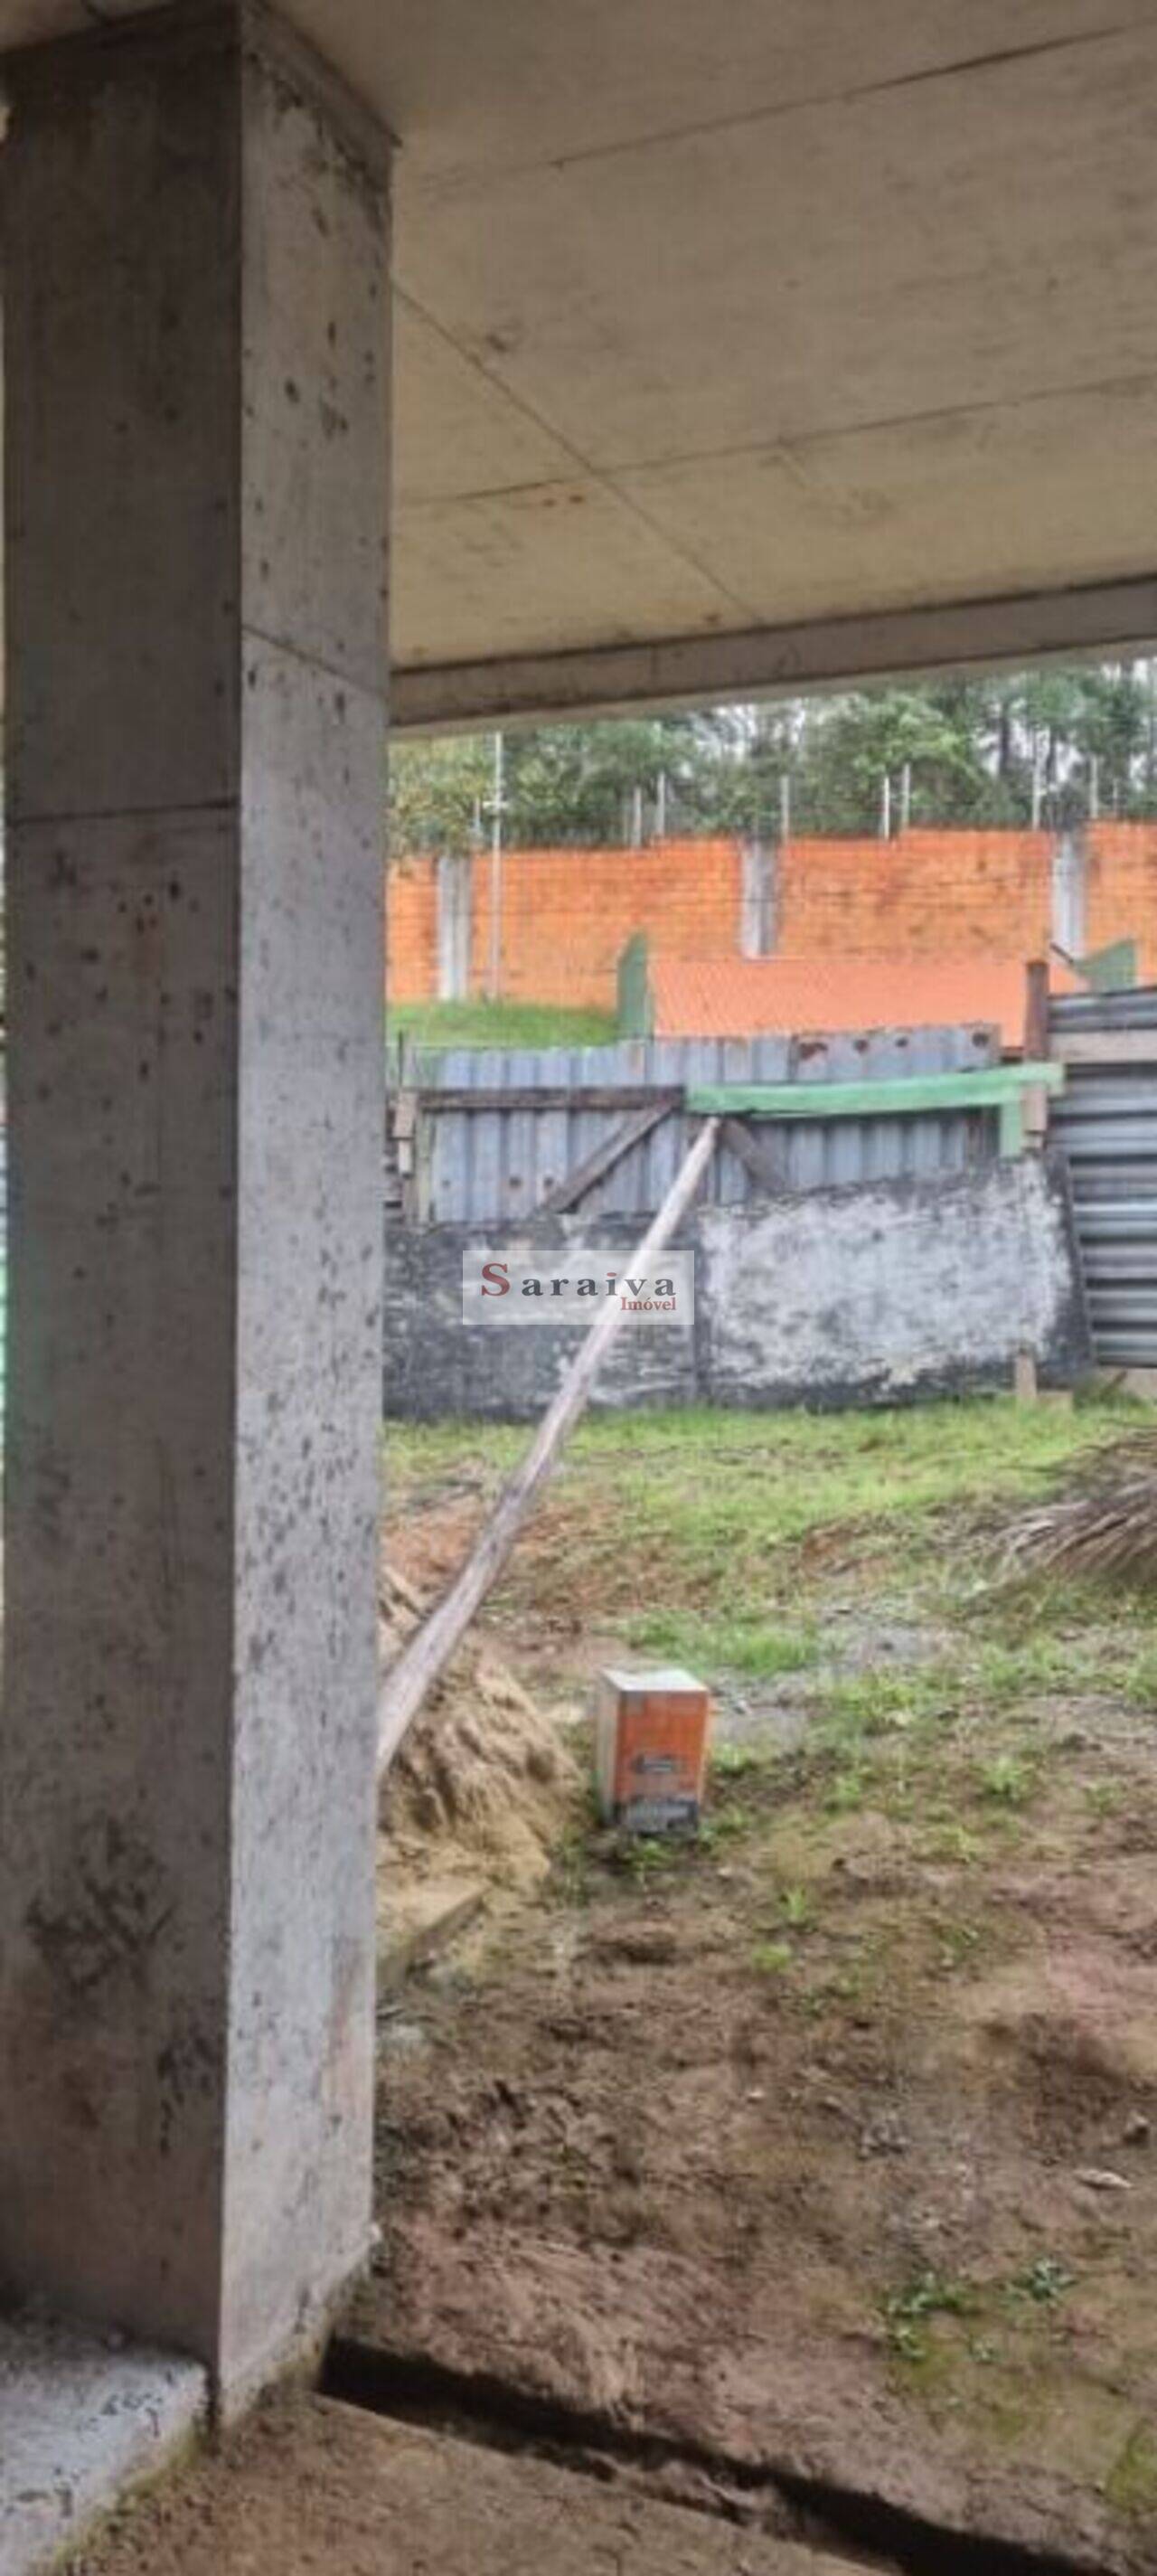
[(1036, 1007), (904, 1098), (429, 1649), (554, 1095), (574, 1185), (1105, 1046), (766, 1168)]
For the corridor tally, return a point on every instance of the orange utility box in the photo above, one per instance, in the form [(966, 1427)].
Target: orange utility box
[(651, 1734)]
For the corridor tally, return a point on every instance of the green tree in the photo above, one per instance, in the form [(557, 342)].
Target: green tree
[(1052, 743), (437, 792)]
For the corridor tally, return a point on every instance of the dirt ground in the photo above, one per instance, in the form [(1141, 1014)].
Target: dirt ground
[(830, 2141), (308, 2488)]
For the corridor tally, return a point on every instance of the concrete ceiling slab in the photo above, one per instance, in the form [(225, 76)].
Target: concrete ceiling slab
[(517, 83), (792, 527), (480, 575), (778, 312), (871, 263), (37, 22), (457, 432)]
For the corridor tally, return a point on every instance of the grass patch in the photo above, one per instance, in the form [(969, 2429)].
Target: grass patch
[(725, 1645), (1131, 2486), (498, 1024), (1141, 1680), (1042, 2282), (771, 1546), (737, 1761), (880, 1702), (648, 1856), (772, 1958), (907, 2311), (1007, 1780), (846, 1795), (714, 1513), (797, 1908)]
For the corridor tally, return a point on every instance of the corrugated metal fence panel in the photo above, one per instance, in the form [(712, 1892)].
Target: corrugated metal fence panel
[(1135, 1007), (1105, 1121), (487, 1166)]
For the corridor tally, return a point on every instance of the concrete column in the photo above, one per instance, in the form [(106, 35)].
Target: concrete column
[(757, 899), (195, 285), (1070, 892), (455, 887)]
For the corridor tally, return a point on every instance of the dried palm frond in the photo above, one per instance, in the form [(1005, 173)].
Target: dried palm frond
[(1104, 1524)]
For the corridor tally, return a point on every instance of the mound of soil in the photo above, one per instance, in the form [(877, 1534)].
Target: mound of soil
[(483, 1786)]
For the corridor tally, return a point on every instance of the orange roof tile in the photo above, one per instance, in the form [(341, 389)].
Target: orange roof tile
[(743, 996)]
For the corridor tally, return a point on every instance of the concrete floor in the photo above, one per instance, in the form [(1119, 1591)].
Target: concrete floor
[(83, 2417)]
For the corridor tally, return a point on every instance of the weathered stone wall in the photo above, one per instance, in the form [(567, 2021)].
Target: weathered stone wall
[(874, 1294)]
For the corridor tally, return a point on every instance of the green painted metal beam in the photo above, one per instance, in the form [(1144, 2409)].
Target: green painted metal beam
[(908, 1096)]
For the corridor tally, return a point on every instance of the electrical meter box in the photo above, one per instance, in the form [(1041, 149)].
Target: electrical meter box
[(651, 1738)]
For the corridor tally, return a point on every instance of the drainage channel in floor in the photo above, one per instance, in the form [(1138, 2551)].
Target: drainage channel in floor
[(814, 2512)]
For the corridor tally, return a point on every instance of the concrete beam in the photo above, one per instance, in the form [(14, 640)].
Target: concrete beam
[(195, 307), (777, 661)]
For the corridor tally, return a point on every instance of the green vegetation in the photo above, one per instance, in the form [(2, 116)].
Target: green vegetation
[(743, 1534), (736, 1645), (1131, 2486), (909, 2310), (797, 1908), (497, 1024), (737, 1531), (840, 1574), (713, 1496), (798, 1470), (1043, 2282), (736, 1761), (1008, 1780), (772, 1958), (972, 749)]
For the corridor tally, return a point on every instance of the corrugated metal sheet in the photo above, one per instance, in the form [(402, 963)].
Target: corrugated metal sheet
[(1105, 1121), (1135, 1007), (486, 1166)]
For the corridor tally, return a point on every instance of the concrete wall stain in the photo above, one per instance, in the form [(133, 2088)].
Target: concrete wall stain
[(878, 1293)]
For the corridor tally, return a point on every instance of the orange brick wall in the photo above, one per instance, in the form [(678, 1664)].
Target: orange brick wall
[(567, 914), (1121, 897), (412, 931), (924, 894)]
